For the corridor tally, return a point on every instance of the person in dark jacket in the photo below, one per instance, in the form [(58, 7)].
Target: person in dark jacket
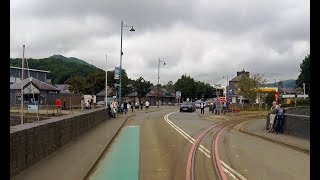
[(279, 119)]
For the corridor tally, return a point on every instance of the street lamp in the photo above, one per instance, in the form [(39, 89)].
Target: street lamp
[(106, 81), (164, 63), (227, 86), (217, 86), (121, 53), (304, 90)]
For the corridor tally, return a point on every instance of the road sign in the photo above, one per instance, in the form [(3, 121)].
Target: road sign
[(116, 72), (178, 94), (222, 99)]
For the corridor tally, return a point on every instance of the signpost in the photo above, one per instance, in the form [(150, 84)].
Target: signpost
[(178, 96)]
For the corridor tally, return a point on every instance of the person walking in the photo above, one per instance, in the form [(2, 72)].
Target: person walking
[(82, 103), (202, 107), (125, 107), (141, 104), (132, 105), (147, 105), (272, 116)]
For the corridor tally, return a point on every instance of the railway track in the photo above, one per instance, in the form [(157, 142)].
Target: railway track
[(219, 166)]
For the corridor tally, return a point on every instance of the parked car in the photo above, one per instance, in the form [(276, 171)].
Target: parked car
[(100, 103), (188, 106)]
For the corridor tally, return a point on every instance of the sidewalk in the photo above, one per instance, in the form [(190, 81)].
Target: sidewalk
[(257, 126), (75, 159)]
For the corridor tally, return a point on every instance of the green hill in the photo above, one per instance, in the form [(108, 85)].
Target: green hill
[(61, 68), (291, 83)]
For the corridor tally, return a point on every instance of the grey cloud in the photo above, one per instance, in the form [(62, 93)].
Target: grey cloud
[(205, 39)]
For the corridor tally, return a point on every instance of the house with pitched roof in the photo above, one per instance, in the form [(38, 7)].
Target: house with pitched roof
[(33, 89)]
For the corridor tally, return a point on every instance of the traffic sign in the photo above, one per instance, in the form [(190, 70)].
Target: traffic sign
[(222, 99)]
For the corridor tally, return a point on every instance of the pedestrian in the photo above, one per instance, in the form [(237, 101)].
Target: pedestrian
[(279, 119), (87, 105), (58, 105), (137, 104), (141, 104), (125, 107), (82, 104), (64, 104), (147, 105), (121, 108), (272, 116), (111, 110), (224, 108), (213, 108), (202, 107), (131, 104)]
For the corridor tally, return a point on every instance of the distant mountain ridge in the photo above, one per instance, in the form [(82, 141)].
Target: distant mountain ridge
[(69, 59), (291, 83), (61, 68)]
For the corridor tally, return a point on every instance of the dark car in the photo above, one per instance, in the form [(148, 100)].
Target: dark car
[(188, 106)]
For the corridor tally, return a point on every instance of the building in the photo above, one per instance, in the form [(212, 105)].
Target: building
[(16, 74), (166, 96), (33, 89), (233, 94)]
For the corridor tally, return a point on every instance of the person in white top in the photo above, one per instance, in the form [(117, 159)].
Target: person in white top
[(147, 105)]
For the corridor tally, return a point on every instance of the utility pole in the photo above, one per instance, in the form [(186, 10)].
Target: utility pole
[(22, 77), (106, 100)]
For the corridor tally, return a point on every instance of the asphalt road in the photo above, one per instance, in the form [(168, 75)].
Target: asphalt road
[(166, 140)]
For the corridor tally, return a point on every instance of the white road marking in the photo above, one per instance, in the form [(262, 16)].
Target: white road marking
[(204, 150), (232, 170)]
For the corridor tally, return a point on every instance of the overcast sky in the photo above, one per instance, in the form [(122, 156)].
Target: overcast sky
[(206, 39)]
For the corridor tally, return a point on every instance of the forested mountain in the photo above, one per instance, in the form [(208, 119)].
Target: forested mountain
[(61, 68)]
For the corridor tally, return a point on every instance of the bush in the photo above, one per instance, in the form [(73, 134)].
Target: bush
[(303, 102)]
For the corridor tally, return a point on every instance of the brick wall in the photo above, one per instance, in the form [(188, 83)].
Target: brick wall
[(31, 142)]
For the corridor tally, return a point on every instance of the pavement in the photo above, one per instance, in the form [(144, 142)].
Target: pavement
[(78, 157), (74, 160), (256, 126)]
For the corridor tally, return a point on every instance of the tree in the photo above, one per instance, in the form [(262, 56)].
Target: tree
[(304, 76), (248, 86), (77, 84), (142, 87), (187, 86)]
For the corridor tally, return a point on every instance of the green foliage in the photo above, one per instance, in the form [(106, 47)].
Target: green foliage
[(193, 89), (270, 97), (303, 102), (249, 85), (304, 76), (187, 86), (142, 87)]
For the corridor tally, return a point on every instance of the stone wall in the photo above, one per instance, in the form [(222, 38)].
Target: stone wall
[(31, 142), (297, 122)]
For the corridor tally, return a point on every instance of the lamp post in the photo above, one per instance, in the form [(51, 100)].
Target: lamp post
[(121, 53), (106, 103), (217, 86), (227, 87), (304, 90), (22, 77), (164, 63)]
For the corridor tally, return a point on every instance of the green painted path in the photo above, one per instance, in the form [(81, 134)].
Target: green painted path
[(122, 161)]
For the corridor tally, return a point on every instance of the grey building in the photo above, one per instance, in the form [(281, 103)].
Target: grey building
[(232, 88), (33, 88), (16, 74)]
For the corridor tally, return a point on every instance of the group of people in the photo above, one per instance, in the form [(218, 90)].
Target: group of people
[(86, 105), (276, 115), (219, 107), (125, 106)]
